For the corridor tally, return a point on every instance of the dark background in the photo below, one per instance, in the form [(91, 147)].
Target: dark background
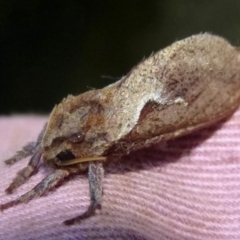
[(49, 49)]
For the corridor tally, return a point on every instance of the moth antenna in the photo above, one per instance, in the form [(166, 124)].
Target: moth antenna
[(28, 150)]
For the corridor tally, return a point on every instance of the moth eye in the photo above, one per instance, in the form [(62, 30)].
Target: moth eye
[(65, 155), (77, 138)]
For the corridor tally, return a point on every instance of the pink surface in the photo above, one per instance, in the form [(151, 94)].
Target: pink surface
[(188, 189)]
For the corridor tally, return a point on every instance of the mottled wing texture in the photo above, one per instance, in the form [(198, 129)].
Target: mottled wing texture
[(198, 83)]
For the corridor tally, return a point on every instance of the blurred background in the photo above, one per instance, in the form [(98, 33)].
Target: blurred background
[(49, 49)]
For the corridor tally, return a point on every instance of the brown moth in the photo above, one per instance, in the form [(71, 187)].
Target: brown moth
[(191, 84)]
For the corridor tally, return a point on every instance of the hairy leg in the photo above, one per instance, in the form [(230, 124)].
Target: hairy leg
[(24, 174), (95, 177), (44, 186), (27, 150)]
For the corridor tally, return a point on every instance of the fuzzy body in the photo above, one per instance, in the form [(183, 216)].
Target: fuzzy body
[(188, 85)]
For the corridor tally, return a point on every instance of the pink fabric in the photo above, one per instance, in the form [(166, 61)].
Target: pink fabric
[(186, 189)]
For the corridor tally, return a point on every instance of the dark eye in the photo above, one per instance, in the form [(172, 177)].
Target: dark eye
[(66, 155), (76, 138)]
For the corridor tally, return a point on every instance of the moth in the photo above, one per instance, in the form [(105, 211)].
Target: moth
[(189, 85)]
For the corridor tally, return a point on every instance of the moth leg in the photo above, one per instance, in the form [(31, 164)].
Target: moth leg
[(95, 177), (28, 150), (44, 186), (24, 174)]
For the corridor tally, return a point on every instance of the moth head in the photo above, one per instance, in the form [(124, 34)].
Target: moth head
[(75, 132)]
